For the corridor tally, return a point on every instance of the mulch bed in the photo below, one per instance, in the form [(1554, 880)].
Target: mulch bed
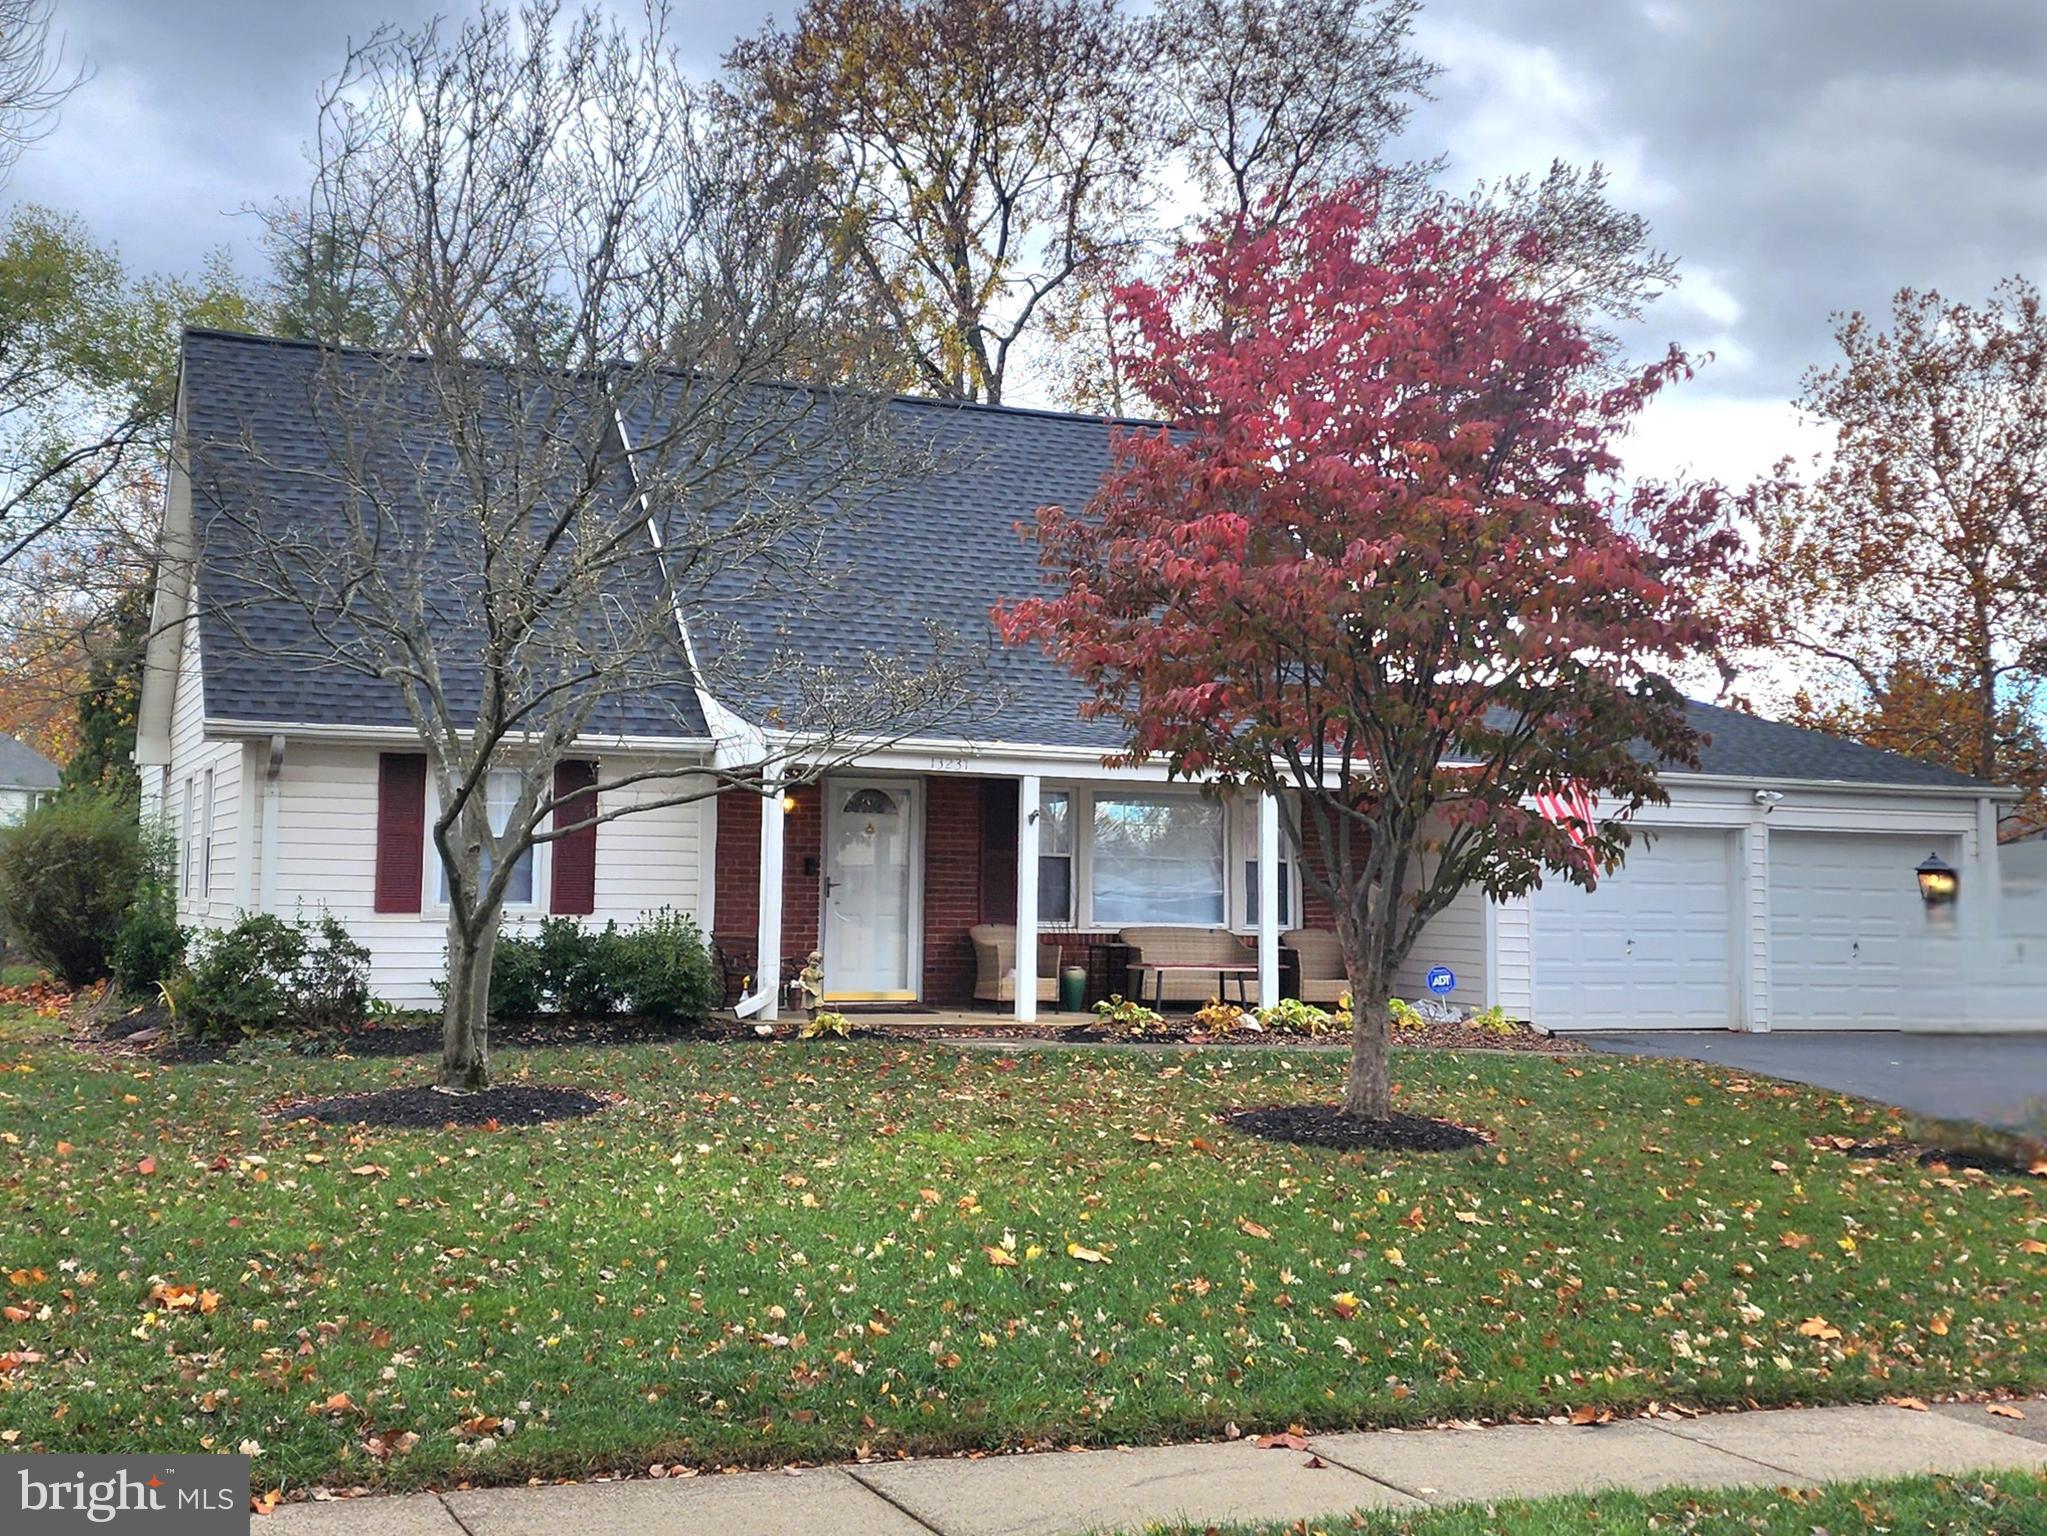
[(1326, 1125), (423, 1108), (1951, 1159)]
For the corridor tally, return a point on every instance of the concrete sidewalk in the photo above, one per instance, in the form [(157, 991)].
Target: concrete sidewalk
[(1055, 1494)]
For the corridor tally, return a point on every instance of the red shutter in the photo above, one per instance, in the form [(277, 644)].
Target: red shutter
[(401, 830), (575, 853)]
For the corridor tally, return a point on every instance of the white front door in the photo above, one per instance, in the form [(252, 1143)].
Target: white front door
[(1650, 948), (871, 829)]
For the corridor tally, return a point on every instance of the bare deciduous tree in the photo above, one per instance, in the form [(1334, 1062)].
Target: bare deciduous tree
[(1270, 100), (538, 529), (34, 82), (984, 160)]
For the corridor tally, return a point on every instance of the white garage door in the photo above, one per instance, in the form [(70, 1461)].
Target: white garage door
[(1649, 949), (1850, 947)]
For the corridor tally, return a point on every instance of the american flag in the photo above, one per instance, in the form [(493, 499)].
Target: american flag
[(1570, 808)]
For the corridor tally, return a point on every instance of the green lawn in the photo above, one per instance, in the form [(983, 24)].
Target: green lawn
[(814, 1250), (2007, 1504)]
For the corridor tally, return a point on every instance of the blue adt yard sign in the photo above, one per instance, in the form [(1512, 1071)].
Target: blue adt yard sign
[(1441, 980)]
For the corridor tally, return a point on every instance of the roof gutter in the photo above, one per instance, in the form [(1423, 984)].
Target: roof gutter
[(379, 735)]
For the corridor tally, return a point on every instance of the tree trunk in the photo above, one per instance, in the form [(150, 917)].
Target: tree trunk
[(1367, 1095), (465, 1013)]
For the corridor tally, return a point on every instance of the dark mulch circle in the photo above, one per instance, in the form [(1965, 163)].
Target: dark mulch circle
[(1326, 1125), (423, 1108)]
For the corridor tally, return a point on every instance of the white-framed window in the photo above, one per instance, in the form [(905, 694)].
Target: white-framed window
[(206, 838), (1156, 857), (188, 848), (502, 796), (1055, 856), (1246, 840)]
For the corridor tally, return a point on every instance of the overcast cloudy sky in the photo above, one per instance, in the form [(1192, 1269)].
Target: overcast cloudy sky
[(1800, 156)]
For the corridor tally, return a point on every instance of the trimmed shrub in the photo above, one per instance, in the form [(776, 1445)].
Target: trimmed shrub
[(667, 971), (591, 980), (68, 872), (264, 975), (658, 970), (518, 979)]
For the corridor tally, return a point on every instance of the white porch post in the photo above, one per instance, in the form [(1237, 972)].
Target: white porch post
[(1268, 901), (767, 962), (1027, 899)]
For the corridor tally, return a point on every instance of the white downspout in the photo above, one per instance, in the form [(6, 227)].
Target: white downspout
[(266, 897)]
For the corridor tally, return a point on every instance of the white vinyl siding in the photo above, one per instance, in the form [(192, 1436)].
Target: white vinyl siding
[(326, 856), (205, 782), (1456, 937)]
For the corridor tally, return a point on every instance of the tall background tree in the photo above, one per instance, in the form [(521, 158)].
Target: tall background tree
[(1907, 570), (983, 160), (1377, 569), (575, 246), (88, 382)]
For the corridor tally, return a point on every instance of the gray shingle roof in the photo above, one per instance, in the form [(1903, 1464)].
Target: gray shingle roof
[(934, 552), (23, 767), (262, 453)]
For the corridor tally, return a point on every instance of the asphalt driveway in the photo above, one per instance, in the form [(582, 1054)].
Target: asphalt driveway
[(1998, 1080)]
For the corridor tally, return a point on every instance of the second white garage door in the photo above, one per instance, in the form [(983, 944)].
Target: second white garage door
[(1649, 949), (1850, 946)]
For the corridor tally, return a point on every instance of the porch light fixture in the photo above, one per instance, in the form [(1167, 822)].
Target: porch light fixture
[(1938, 882), (789, 805)]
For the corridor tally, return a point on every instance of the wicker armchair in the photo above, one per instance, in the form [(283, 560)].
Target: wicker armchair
[(995, 965), (1152, 947), (1323, 979)]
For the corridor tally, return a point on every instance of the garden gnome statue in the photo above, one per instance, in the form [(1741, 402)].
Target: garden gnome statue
[(810, 981)]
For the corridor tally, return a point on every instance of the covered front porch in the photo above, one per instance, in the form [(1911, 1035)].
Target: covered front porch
[(907, 874)]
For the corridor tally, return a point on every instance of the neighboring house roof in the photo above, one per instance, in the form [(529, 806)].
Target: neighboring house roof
[(23, 767), (917, 562), (258, 447)]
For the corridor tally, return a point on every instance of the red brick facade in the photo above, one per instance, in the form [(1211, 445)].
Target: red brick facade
[(952, 887), (736, 881)]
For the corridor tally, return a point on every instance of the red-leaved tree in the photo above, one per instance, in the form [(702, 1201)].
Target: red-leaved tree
[(1379, 568)]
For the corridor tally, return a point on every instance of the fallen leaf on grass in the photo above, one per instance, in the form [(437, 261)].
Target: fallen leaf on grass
[(146, 1167), (370, 1171), (1086, 1255), (1588, 1414), (183, 1298), (384, 1447), (1913, 1403), (1819, 1328), (1251, 1228), (999, 1258)]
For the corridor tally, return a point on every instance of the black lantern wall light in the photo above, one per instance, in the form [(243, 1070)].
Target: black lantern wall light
[(1939, 882)]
